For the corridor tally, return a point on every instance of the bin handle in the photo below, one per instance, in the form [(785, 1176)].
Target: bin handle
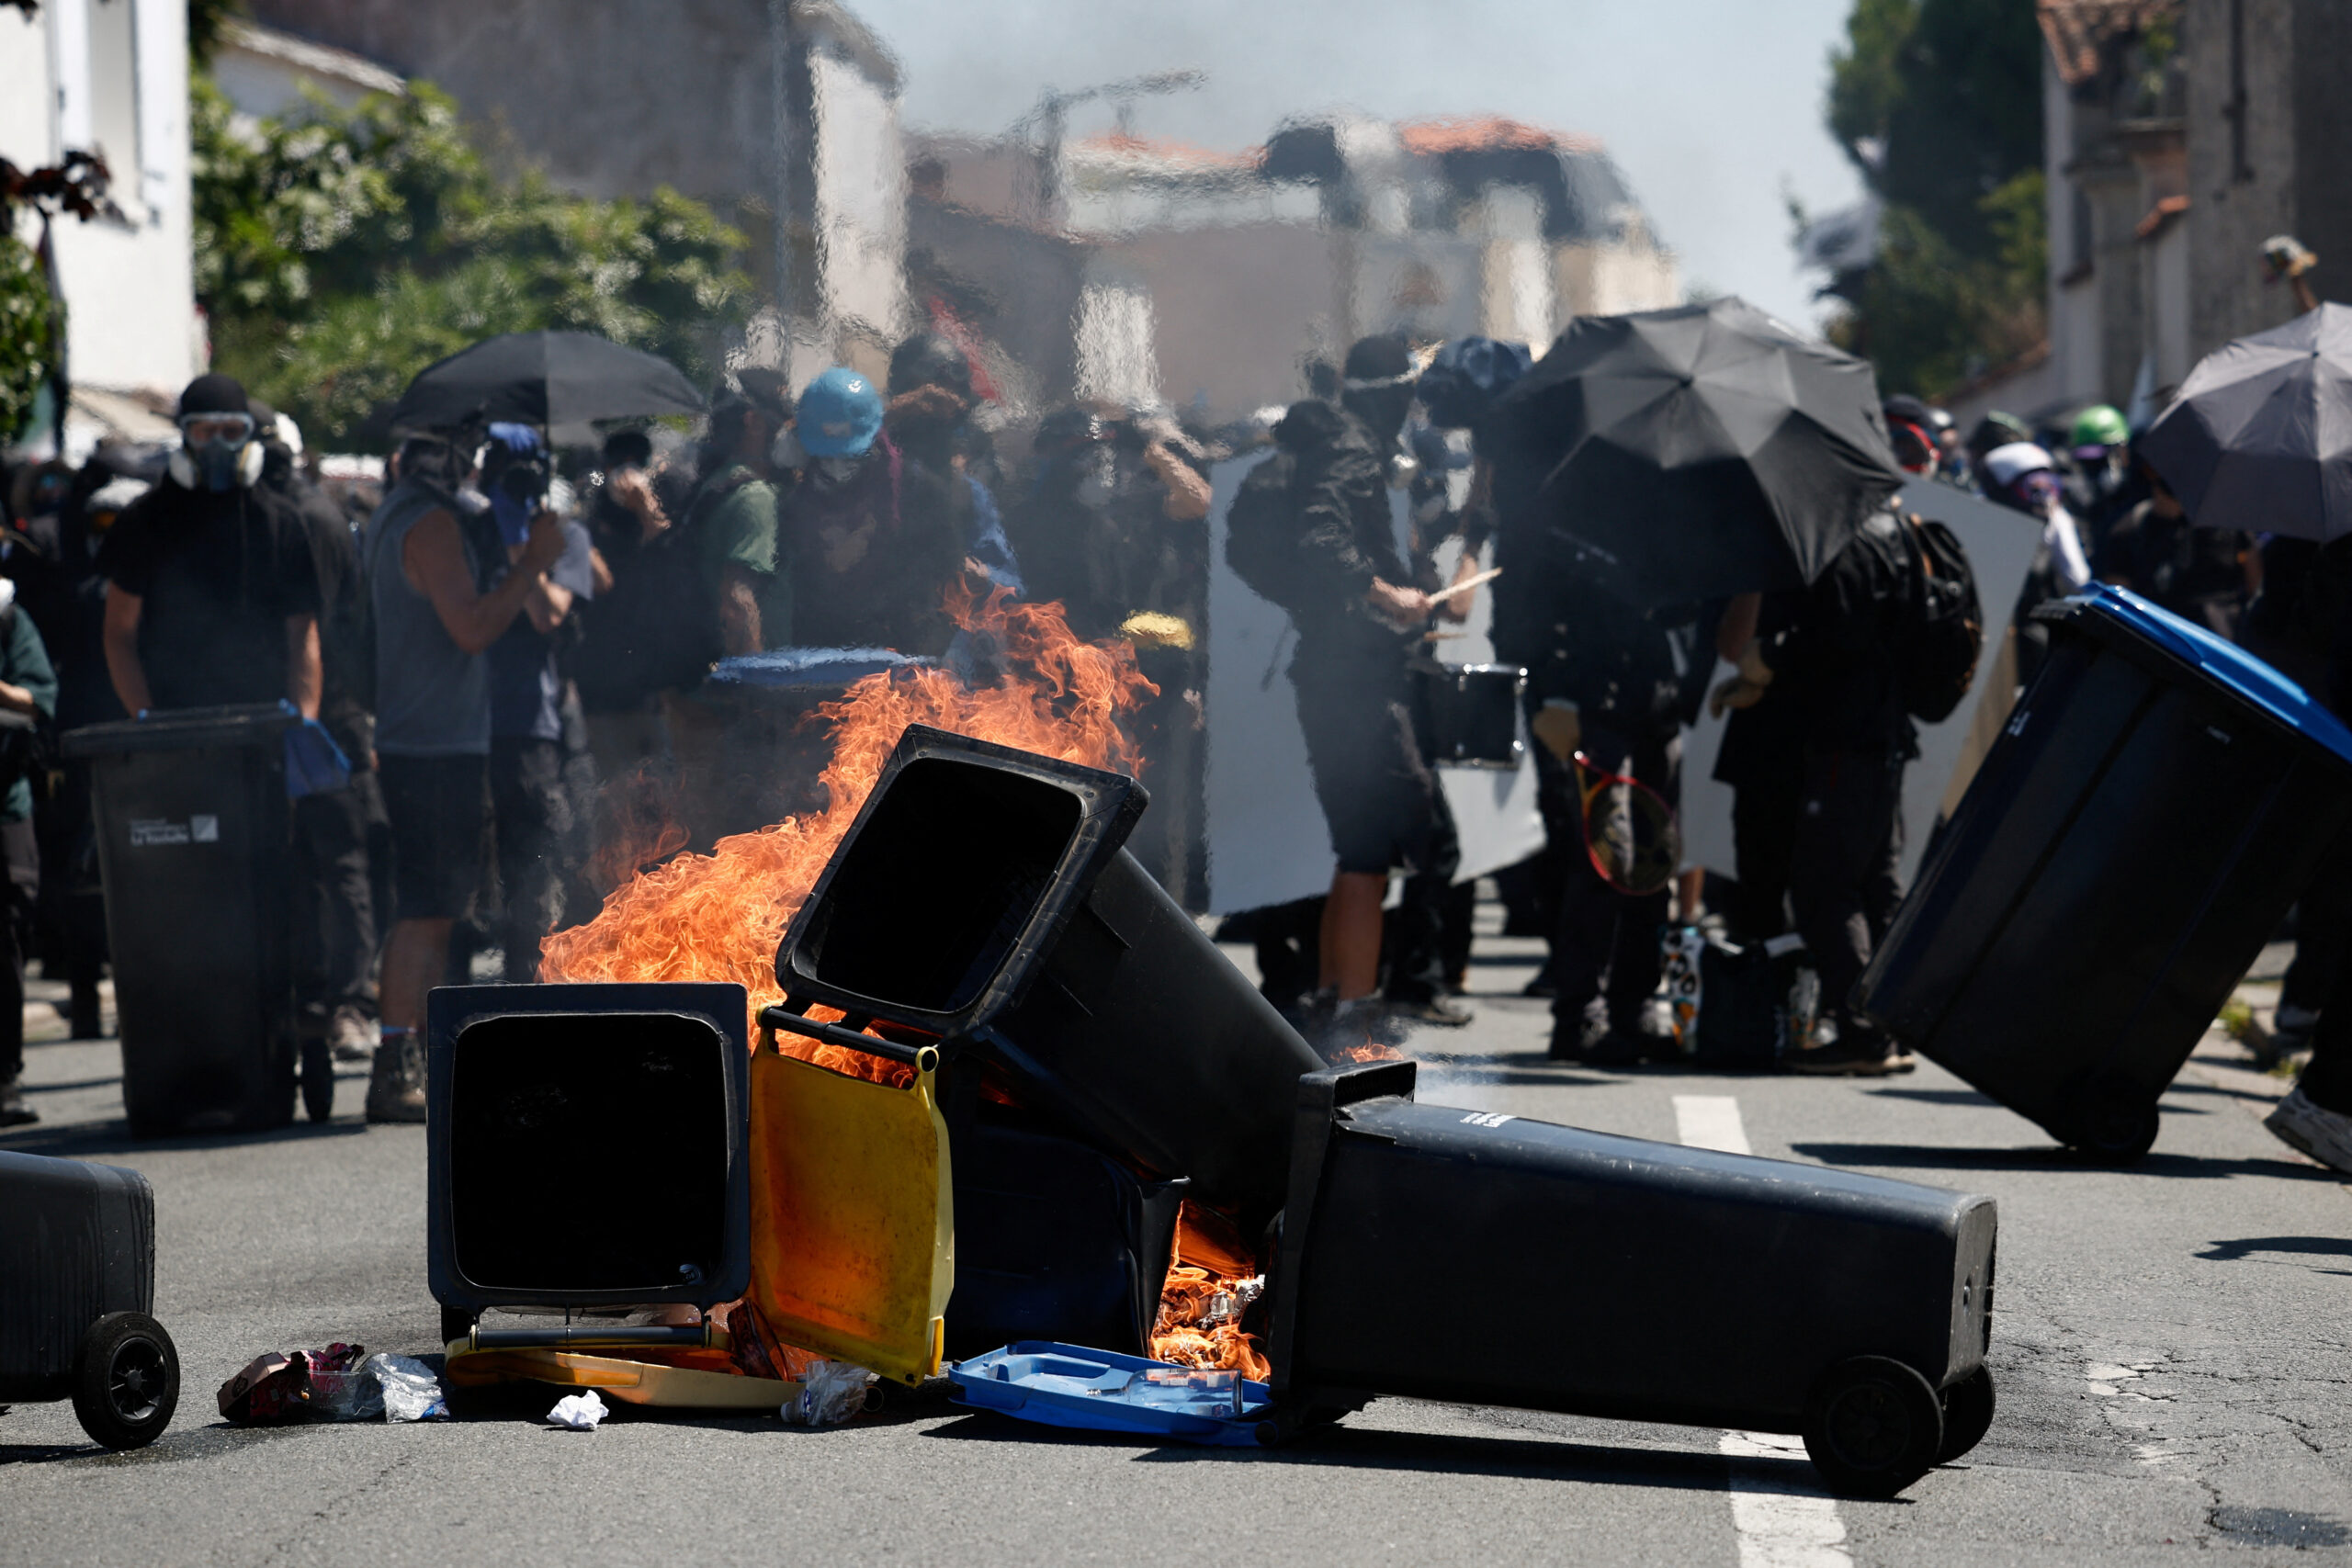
[(923, 1058)]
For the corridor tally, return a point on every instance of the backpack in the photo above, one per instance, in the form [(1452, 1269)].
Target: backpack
[(1943, 630), (1261, 541)]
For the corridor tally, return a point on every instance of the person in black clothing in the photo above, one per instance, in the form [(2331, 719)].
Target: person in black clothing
[(1762, 759), (334, 905), (2199, 574), (212, 593), (1858, 737), (1357, 618), (641, 573)]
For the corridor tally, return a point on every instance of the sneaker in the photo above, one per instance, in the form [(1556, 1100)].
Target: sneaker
[(1620, 1048), (1861, 1057), (352, 1035), (2325, 1134), (1437, 1012), (396, 1087), (14, 1112), (1574, 1038), (2289, 1034)]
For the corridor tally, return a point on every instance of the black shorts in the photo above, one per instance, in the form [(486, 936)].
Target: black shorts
[(439, 808), (1377, 794)]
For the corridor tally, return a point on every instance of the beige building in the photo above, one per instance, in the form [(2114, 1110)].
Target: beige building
[(1209, 280)]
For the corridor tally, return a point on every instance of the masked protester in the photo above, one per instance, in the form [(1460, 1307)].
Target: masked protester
[(930, 419), (531, 812), (1358, 619), (877, 537), (213, 596), (2022, 477), (28, 689), (435, 623)]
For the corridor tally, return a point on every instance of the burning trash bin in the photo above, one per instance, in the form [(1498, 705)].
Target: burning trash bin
[(982, 900), (2156, 801), (77, 1284), (194, 848), (1609, 1276)]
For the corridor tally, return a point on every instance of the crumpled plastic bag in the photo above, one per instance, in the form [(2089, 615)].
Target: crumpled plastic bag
[(410, 1392), (313, 1385), (830, 1392), (578, 1412)]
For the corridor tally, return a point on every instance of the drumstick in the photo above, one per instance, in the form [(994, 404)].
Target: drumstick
[(1466, 585)]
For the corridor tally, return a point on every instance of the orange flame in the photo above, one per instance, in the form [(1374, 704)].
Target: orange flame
[(1202, 1302), (721, 916)]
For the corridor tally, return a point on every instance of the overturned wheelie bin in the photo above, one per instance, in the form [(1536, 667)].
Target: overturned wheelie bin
[(2157, 800), (1614, 1277), (77, 1291), (983, 901)]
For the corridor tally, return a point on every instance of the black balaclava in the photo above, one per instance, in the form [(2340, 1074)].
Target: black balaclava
[(1376, 385)]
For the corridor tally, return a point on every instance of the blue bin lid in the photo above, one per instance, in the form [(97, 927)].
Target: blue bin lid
[(807, 666), (2224, 662), (1101, 1390)]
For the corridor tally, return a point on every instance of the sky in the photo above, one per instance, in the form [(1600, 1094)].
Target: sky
[(1712, 107)]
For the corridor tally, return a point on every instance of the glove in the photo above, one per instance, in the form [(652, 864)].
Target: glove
[(1560, 729)]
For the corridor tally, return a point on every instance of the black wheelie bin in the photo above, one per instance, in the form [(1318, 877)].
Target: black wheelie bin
[(982, 900), (195, 849), (78, 1286), (2157, 800), (1613, 1276)]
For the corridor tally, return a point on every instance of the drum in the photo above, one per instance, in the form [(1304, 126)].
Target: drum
[(1470, 714)]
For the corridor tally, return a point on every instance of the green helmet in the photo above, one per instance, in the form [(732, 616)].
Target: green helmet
[(2100, 425)]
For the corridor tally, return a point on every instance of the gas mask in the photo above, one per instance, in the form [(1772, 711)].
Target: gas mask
[(833, 473), (218, 452), (1097, 478)]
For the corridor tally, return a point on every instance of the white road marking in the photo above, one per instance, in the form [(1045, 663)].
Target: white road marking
[(1778, 1528), (1709, 1122)]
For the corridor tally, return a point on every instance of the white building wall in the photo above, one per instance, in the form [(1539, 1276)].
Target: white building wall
[(860, 199), (129, 284)]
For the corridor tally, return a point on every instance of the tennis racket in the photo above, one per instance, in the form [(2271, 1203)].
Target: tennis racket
[(1630, 834)]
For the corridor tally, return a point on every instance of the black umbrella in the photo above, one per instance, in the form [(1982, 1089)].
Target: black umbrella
[(2260, 438), (562, 381), (1694, 453)]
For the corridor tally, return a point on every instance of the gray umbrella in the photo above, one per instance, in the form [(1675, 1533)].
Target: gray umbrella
[(2260, 438)]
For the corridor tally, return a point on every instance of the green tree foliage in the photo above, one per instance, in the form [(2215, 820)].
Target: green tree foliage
[(26, 324), (339, 251), (1938, 102)]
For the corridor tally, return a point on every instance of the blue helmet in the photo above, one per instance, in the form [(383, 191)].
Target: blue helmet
[(841, 413)]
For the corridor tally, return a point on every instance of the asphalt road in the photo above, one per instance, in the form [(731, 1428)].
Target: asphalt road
[(2171, 1348)]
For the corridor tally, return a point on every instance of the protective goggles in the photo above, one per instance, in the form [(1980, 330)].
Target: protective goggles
[(217, 429)]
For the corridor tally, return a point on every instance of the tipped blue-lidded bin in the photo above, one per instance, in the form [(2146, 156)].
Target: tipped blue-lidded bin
[(1099, 1391), (2157, 800)]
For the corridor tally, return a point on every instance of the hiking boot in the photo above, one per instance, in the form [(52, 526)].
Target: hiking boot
[(1437, 1012), (1853, 1057), (396, 1087), (14, 1112), (2325, 1134), (352, 1035)]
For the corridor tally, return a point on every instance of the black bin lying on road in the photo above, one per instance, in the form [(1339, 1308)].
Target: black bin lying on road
[(195, 851), (983, 898), (1053, 1240), (588, 1147), (2157, 800), (77, 1284), (1613, 1277)]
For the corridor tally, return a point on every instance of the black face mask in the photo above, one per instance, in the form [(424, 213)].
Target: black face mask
[(1383, 409)]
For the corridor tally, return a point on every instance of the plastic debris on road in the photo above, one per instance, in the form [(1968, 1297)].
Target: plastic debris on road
[(578, 1412), (830, 1392), (410, 1392), (306, 1385), (1069, 1385)]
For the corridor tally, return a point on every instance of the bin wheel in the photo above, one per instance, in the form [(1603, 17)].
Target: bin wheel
[(127, 1381), (456, 1323), (2119, 1128), (318, 1080), (1968, 1414), (1872, 1426)]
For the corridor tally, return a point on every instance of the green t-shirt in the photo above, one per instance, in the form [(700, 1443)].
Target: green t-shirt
[(740, 529)]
